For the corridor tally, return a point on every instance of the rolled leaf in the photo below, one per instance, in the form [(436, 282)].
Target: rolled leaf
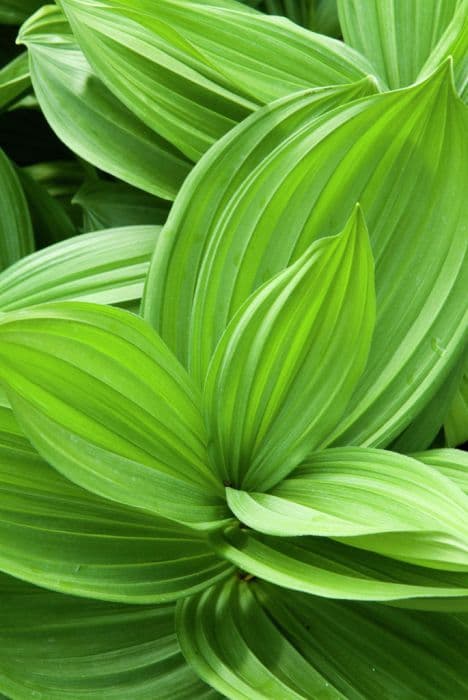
[(61, 647), (396, 37), (279, 380), (107, 267), (16, 235), (88, 118), (104, 401), (288, 176), (178, 69), (323, 567)]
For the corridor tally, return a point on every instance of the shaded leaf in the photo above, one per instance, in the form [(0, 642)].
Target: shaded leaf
[(88, 118), (59, 647), (16, 11), (104, 401), (16, 236), (14, 80), (279, 380)]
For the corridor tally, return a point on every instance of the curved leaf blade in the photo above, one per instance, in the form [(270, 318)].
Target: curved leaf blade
[(16, 235), (61, 647), (279, 380), (14, 80), (396, 37), (106, 267), (105, 402), (452, 463), (88, 118)]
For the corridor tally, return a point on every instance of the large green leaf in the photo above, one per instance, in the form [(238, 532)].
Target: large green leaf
[(377, 500), (88, 118), (57, 535), (453, 43), (106, 267), (105, 402), (279, 380), (253, 641), (14, 80), (109, 204), (287, 176), (397, 36), (452, 463), (60, 647), (176, 66), (324, 567), (16, 235)]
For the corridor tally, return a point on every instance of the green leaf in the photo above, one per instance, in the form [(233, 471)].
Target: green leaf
[(279, 380), (16, 236), (64, 648), (191, 320), (232, 644), (372, 499), (456, 421), (324, 567), (105, 267), (452, 463), (254, 641), (103, 401), (289, 175), (57, 535), (111, 204), (396, 36), (16, 11), (180, 72), (373, 651), (88, 118), (454, 43), (14, 80), (50, 220), (323, 17)]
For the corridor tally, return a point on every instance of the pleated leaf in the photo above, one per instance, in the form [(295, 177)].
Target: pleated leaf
[(191, 320), (377, 500), (104, 401), (59, 536), (60, 647), (16, 235), (451, 463), (88, 118), (456, 421), (288, 176), (396, 36), (253, 641), (373, 651), (110, 204), (14, 80), (177, 67), (453, 43), (105, 267), (323, 567), (279, 380)]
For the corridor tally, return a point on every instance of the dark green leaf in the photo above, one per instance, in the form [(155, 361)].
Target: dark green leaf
[(16, 235)]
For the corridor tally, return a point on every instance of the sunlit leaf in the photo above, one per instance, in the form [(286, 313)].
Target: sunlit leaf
[(452, 463), (104, 401), (279, 380)]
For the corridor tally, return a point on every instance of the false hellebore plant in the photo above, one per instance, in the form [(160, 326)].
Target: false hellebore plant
[(231, 493)]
